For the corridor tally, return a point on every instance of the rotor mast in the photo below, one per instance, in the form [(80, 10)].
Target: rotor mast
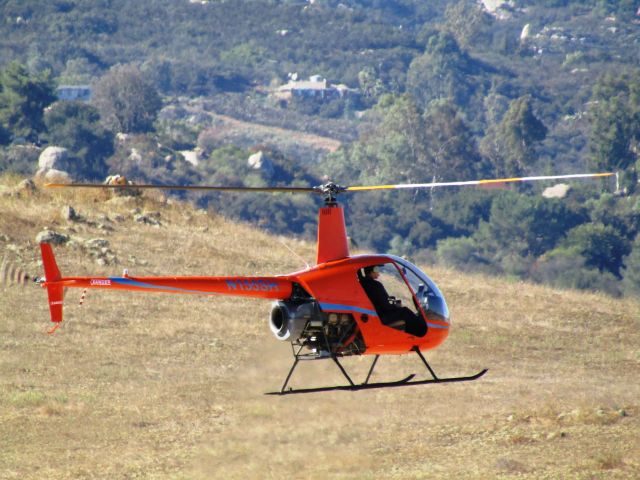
[(332, 232)]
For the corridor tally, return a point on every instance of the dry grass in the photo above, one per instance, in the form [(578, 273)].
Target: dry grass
[(277, 135), (171, 387)]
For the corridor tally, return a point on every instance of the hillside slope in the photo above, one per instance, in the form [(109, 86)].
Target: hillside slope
[(163, 386)]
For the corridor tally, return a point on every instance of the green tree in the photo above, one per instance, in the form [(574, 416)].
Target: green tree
[(523, 227), (517, 134), (5, 135), (601, 246), (567, 268), (371, 86), (76, 126), (127, 102), (463, 253), (464, 209), (621, 213), (631, 270), (451, 144), (613, 131), (442, 72), (468, 22), (615, 125), (23, 98), (393, 149), (626, 9)]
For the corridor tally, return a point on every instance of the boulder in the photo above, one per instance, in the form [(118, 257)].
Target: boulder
[(52, 237), (259, 161), (493, 5), (150, 218), (69, 213), (192, 156), (52, 176), (122, 138), (55, 165), (557, 191), (135, 156), (98, 248), (54, 158), (97, 243)]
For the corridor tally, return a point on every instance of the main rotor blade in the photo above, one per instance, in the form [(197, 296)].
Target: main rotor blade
[(184, 187), (330, 189), (476, 182)]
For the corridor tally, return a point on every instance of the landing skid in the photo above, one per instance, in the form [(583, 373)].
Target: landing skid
[(405, 382)]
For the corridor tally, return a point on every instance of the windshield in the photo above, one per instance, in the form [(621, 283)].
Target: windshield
[(426, 291)]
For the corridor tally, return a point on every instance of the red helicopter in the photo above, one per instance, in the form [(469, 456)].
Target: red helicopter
[(337, 308)]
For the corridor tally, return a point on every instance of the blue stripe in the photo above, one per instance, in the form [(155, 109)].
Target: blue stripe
[(349, 308), (128, 281), (435, 325)]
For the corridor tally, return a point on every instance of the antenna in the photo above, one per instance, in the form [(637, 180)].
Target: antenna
[(294, 253)]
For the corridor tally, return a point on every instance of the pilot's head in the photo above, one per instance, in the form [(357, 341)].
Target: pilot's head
[(373, 271)]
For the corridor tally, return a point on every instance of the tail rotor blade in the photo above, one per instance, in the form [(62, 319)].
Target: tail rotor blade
[(10, 273)]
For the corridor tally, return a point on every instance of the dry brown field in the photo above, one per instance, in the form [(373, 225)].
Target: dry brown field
[(172, 386), (268, 134)]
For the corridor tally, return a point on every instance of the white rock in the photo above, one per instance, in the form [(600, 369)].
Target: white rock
[(135, 156), (557, 191), (54, 158), (259, 161), (191, 156)]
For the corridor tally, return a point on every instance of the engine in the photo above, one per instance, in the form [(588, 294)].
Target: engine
[(304, 324), (289, 319)]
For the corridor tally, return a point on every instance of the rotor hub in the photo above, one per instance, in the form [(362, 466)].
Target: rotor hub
[(330, 192)]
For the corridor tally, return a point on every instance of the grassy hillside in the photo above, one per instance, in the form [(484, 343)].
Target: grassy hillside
[(163, 386)]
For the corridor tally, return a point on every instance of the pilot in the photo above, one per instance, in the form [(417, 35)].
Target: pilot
[(391, 314)]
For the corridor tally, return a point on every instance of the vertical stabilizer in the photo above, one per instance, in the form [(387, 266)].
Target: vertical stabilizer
[(332, 234), (52, 275)]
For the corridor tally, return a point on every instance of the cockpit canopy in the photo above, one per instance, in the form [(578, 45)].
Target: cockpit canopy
[(400, 272)]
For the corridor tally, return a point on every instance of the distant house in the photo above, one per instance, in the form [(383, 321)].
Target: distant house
[(74, 92), (316, 87)]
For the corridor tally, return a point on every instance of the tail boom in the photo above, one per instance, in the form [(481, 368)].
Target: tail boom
[(256, 287), (274, 288)]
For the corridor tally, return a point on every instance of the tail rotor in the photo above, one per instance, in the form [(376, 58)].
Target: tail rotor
[(12, 274)]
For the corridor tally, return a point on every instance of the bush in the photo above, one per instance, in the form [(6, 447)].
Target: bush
[(462, 253), (631, 271), (75, 126), (601, 246), (21, 159), (566, 268)]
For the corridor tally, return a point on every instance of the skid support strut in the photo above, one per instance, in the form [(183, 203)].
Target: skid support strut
[(405, 382), (284, 390)]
